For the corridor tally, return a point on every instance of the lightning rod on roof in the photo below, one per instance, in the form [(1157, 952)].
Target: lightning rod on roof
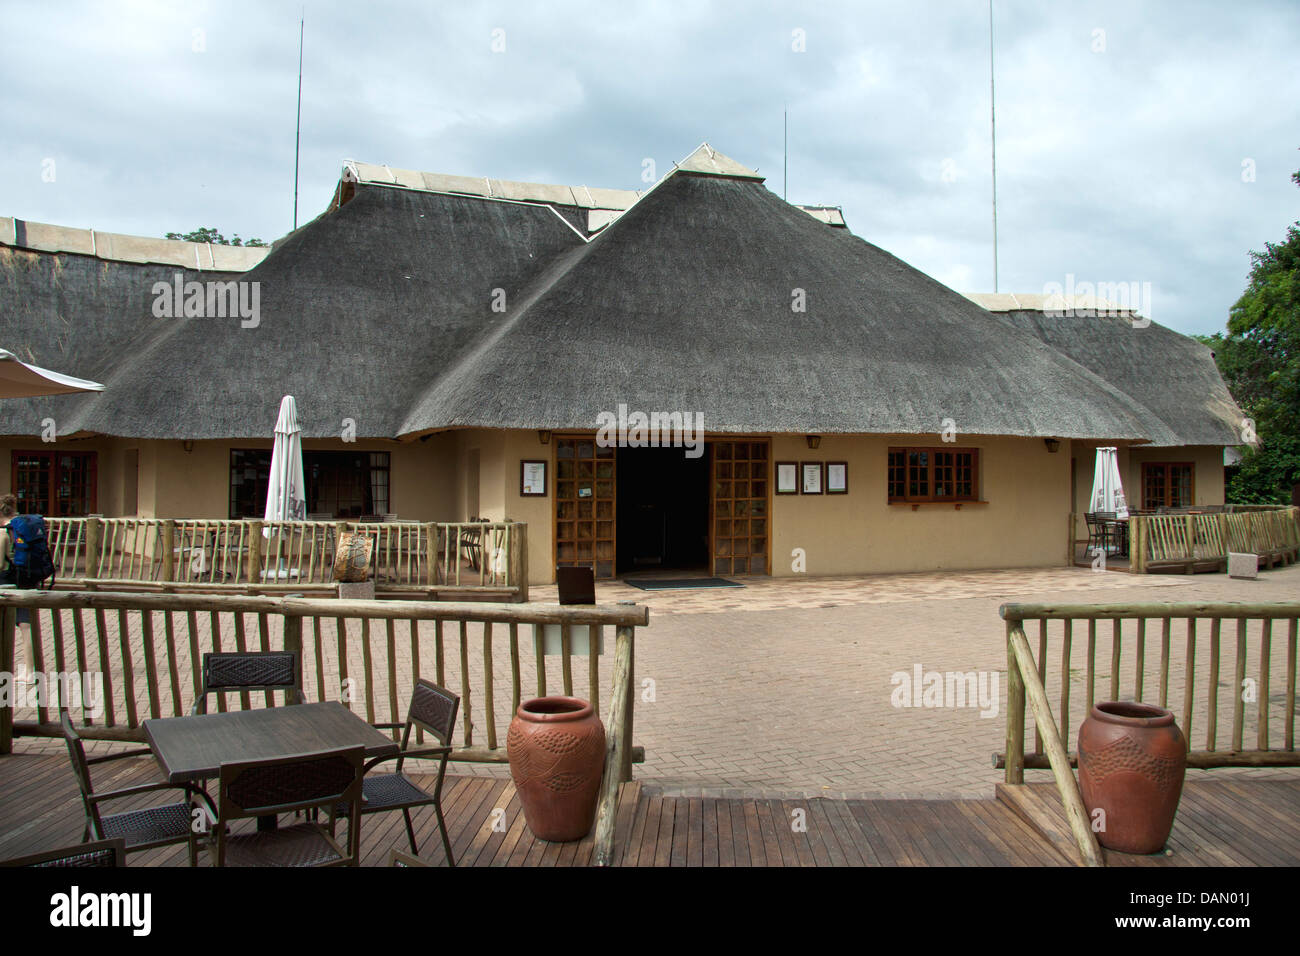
[(993, 124), (785, 158), (297, 131)]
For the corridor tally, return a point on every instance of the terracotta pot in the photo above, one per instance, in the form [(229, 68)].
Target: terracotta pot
[(556, 747), (1132, 759)]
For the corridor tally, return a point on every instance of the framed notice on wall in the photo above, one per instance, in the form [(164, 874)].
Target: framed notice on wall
[(532, 479), (837, 477), (811, 478), (787, 477)]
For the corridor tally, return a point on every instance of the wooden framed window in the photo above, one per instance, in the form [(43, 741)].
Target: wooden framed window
[(55, 484), (933, 474), (1168, 484), (345, 484)]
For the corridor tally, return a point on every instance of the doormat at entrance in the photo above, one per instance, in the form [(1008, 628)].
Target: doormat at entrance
[(679, 584)]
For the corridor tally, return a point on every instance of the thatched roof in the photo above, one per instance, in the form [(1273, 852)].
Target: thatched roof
[(381, 310), (685, 303), (77, 313), (1172, 378), (358, 313)]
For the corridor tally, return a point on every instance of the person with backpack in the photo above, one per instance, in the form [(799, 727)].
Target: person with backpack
[(25, 551), (8, 508)]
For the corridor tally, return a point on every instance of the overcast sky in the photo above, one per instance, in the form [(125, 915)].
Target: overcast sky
[(1127, 132)]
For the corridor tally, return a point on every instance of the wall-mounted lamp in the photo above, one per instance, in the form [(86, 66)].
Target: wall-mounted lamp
[(813, 440), (1053, 445), (543, 436), (188, 446)]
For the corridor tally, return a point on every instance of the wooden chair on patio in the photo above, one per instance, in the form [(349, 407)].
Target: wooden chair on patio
[(432, 710), (269, 787), (137, 829), (471, 543), (244, 671), (1106, 530), (99, 853)]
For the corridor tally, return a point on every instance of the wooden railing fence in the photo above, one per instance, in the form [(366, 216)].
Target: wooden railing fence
[(146, 651), (490, 559), (1154, 654), (1195, 542)]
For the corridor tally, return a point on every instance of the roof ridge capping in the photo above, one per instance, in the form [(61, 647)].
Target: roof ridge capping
[(1085, 306), (707, 161), (121, 247)]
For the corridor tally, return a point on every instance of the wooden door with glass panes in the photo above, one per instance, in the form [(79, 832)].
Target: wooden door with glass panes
[(739, 507), (584, 505)]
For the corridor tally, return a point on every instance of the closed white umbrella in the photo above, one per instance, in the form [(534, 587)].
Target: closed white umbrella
[(1107, 489), (20, 380), (286, 496)]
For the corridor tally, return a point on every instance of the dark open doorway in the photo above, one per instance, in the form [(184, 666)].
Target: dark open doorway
[(663, 510)]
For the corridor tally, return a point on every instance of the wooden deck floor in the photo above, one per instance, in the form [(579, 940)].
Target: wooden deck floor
[(1220, 823), (1229, 822)]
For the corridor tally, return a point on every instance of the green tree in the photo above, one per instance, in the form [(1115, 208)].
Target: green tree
[(214, 237), (1259, 358)]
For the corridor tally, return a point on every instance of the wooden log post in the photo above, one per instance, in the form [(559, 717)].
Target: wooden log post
[(167, 543), (1066, 784), (94, 538), (618, 752), (1015, 715), (1137, 545), (519, 561), (253, 563), (430, 532), (1223, 539), (293, 644)]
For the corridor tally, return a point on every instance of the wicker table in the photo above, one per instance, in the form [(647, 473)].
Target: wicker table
[(189, 749)]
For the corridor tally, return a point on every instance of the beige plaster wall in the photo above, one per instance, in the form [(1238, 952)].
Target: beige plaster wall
[(1021, 522)]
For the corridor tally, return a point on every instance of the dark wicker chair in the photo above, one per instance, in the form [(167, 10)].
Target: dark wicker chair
[(1094, 533), (432, 710), (99, 853), (306, 782), (138, 829), (397, 858), (253, 670)]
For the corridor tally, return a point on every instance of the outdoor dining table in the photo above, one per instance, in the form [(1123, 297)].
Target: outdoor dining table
[(191, 749)]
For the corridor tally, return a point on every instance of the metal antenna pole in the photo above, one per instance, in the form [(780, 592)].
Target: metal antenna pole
[(297, 132), (785, 161), (993, 122)]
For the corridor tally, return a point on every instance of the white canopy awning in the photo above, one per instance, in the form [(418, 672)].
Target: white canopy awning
[(20, 380)]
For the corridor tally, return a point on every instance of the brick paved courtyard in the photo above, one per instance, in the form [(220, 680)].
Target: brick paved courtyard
[(751, 691), (786, 684)]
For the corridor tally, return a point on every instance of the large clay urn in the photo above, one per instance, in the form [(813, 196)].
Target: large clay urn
[(556, 747), (1132, 759)]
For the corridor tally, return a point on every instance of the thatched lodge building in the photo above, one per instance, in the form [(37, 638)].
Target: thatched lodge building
[(444, 335)]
